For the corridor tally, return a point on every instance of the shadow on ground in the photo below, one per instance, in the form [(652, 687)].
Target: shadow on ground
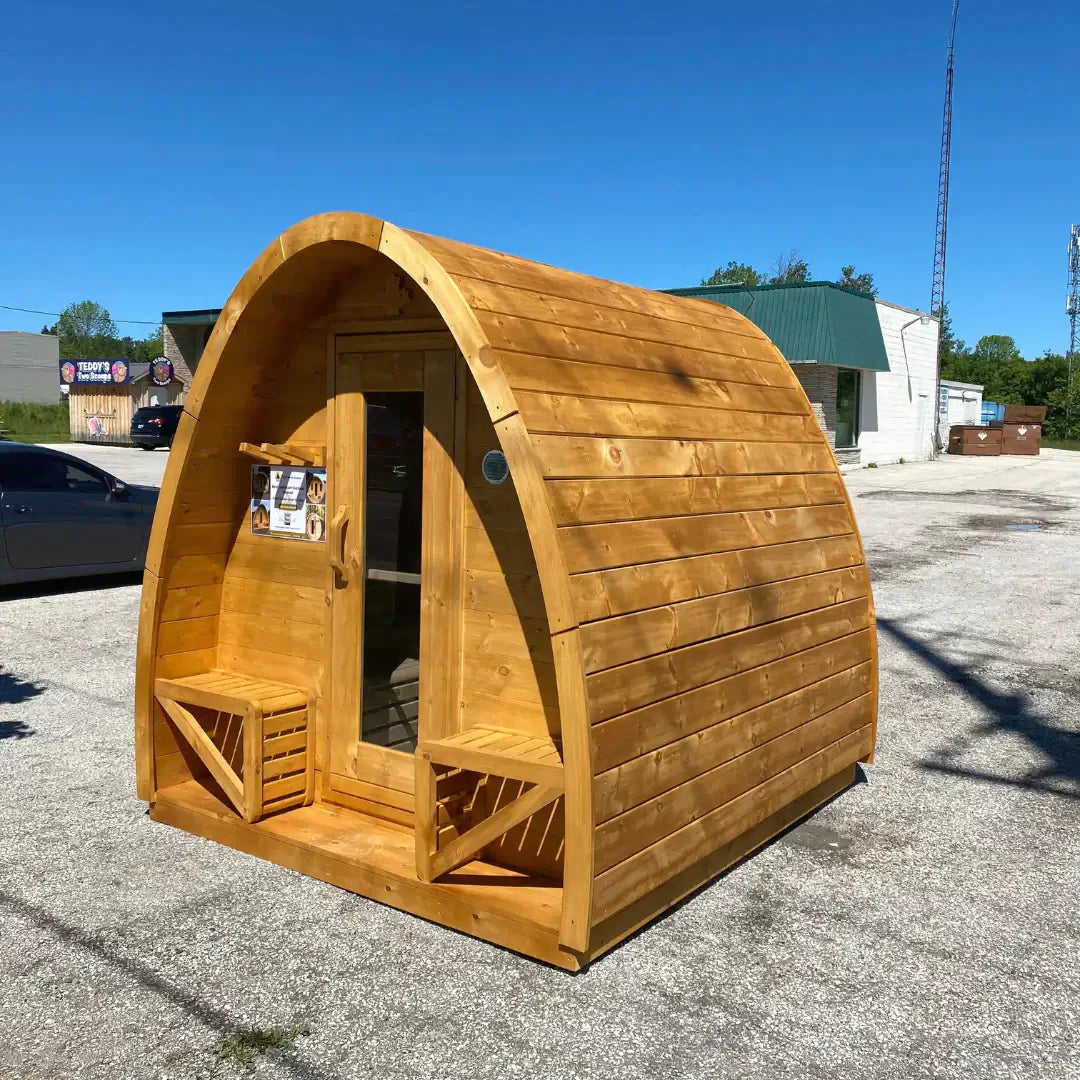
[(1008, 712), (60, 586), (192, 1004)]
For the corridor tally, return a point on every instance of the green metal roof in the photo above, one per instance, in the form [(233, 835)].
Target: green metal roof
[(197, 316), (811, 322)]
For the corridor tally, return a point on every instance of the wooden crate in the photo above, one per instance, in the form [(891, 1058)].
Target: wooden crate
[(975, 441)]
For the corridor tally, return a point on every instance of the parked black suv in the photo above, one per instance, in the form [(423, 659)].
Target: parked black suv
[(155, 425)]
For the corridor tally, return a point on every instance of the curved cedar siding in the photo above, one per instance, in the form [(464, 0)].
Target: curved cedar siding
[(705, 609), (720, 586)]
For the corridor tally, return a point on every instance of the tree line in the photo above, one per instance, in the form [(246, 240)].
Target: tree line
[(86, 330), (996, 364), (790, 268)]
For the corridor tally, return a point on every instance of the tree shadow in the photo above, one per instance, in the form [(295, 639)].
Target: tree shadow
[(195, 1006), (1009, 712), (14, 691)]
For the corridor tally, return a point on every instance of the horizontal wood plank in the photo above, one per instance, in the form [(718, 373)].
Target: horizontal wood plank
[(628, 833), (583, 502), (539, 306), (562, 456), (643, 872), (631, 686), (192, 602), (646, 633), (489, 634), (250, 596), (627, 543), (504, 594), (563, 414), (187, 571), (628, 785), (187, 635), (302, 640), (607, 593), (637, 733), (734, 383)]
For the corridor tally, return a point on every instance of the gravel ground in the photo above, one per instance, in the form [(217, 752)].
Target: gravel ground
[(922, 925)]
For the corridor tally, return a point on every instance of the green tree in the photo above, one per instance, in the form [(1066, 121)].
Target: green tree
[(734, 274), (863, 283), (789, 268), (952, 347), (86, 329), (997, 348)]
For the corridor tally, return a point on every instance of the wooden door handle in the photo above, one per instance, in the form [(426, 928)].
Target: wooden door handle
[(337, 542)]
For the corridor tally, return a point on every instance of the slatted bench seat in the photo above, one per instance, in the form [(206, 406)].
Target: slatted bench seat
[(256, 745), (489, 751)]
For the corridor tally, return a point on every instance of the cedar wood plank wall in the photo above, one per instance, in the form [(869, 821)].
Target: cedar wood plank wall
[(258, 605), (695, 500), (719, 584)]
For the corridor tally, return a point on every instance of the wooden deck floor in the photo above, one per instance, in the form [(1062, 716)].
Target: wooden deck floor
[(376, 859)]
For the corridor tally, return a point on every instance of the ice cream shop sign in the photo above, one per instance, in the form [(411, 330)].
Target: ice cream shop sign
[(82, 372)]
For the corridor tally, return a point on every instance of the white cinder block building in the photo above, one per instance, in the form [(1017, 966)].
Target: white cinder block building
[(869, 367), (897, 406)]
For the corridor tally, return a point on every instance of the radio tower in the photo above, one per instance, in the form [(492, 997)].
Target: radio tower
[(937, 290), (1072, 309)]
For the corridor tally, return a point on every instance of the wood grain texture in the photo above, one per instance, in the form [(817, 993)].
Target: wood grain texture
[(670, 581)]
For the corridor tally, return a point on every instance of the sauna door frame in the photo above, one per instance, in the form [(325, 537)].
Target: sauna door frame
[(383, 778)]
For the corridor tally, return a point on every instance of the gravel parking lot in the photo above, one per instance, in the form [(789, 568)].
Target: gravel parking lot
[(924, 924)]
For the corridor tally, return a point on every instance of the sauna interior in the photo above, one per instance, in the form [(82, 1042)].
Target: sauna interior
[(578, 615)]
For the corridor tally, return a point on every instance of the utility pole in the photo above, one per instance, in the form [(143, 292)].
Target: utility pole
[(1072, 309), (941, 229)]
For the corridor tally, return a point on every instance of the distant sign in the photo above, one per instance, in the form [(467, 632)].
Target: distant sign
[(161, 371), (81, 372)]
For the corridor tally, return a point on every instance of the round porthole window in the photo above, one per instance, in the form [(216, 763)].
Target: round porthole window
[(494, 467)]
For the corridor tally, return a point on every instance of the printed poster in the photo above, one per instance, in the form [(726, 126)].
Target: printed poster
[(288, 502)]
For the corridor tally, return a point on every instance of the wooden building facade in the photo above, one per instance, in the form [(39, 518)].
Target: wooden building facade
[(574, 616), (102, 412)]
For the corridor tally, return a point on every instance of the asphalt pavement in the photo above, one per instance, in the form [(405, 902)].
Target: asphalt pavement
[(924, 924)]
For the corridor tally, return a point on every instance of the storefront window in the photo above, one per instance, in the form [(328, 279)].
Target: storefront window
[(847, 407)]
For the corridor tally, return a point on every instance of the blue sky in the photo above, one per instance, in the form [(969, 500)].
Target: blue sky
[(146, 158)]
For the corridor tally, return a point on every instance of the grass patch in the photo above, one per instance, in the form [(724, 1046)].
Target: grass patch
[(244, 1047), (27, 422), (1062, 444)]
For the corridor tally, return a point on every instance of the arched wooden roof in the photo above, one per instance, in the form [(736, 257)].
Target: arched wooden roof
[(664, 455)]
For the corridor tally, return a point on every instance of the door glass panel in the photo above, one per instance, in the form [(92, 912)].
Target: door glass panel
[(394, 458), (847, 407)]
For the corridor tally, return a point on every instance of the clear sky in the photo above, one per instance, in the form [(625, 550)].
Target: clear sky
[(147, 156)]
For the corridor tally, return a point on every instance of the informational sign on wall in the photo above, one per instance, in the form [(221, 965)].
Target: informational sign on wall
[(288, 502)]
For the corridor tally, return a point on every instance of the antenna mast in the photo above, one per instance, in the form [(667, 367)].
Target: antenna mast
[(937, 290), (1072, 309)]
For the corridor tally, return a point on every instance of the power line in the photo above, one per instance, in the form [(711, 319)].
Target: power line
[(57, 314)]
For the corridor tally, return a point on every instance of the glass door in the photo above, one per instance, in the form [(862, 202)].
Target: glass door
[(390, 569), (847, 408), (390, 425)]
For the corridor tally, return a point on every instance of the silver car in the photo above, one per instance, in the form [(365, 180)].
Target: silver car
[(62, 517)]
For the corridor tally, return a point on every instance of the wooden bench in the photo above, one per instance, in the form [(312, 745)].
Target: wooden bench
[(488, 751), (264, 727)]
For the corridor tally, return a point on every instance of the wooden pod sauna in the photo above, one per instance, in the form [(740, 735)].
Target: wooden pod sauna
[(583, 617)]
